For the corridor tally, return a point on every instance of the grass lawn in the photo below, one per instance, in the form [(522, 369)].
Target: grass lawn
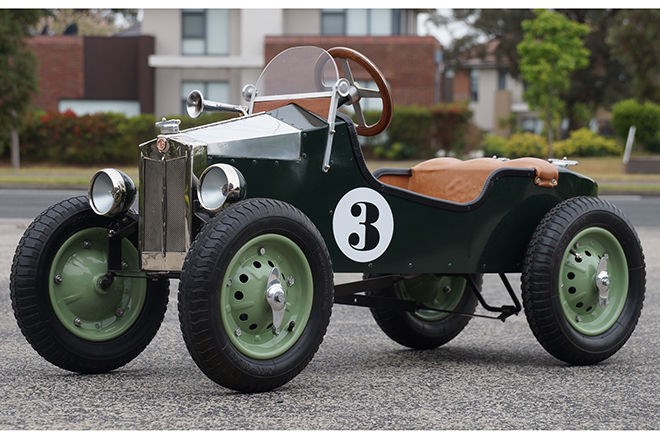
[(607, 171), (54, 175)]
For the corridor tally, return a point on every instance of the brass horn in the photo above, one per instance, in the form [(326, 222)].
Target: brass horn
[(196, 104)]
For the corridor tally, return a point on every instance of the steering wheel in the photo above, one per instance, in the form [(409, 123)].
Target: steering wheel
[(342, 55)]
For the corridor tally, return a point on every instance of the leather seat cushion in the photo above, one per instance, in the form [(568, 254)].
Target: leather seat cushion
[(462, 181)]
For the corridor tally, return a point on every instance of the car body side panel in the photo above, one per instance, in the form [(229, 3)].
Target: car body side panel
[(429, 236)]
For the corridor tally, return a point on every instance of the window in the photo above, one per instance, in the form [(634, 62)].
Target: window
[(333, 22), (205, 32), (501, 79), (212, 90), (474, 85), (358, 22)]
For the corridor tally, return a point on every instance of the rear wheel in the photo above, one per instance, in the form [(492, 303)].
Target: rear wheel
[(255, 295), (583, 281), (64, 305), (425, 328)]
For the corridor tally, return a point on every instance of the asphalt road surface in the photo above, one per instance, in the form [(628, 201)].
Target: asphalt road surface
[(492, 376)]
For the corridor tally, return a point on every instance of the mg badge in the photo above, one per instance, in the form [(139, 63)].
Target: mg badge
[(161, 144)]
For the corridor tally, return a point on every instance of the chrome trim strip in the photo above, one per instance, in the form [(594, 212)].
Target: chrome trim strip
[(332, 115), (327, 94)]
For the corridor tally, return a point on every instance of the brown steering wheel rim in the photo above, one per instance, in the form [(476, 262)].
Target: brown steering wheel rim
[(383, 89)]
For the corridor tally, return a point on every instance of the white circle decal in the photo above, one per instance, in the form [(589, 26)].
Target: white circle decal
[(363, 225)]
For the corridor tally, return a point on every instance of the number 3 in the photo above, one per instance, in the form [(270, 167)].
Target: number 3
[(363, 225)]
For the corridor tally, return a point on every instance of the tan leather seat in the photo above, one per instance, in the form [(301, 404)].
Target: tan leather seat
[(462, 181)]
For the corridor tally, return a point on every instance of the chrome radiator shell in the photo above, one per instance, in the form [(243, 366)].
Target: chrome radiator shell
[(165, 202), (169, 163)]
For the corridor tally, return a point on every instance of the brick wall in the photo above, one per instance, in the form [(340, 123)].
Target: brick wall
[(60, 69), (407, 62), (117, 68)]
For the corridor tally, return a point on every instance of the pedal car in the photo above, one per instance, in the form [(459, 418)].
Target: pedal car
[(254, 215)]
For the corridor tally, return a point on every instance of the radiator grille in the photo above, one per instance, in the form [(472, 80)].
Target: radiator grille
[(152, 207), (175, 232), (165, 208)]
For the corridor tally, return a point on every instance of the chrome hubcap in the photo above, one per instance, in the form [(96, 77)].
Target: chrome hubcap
[(603, 281), (276, 299)]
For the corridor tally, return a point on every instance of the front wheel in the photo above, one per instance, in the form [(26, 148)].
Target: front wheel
[(62, 301), (583, 281), (255, 295)]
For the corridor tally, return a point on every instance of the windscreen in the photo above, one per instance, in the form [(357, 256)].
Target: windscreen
[(298, 70)]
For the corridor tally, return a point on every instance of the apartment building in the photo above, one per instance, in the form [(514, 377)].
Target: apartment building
[(219, 50), (94, 74), (494, 96)]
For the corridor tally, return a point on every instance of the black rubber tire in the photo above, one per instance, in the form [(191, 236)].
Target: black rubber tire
[(411, 331), (199, 294), (33, 309), (540, 278)]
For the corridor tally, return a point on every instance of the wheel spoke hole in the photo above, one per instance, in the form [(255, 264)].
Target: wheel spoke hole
[(579, 305), (243, 317), (587, 253), (238, 295), (571, 275), (243, 278), (270, 263), (256, 264), (588, 309), (269, 326), (571, 290), (253, 326)]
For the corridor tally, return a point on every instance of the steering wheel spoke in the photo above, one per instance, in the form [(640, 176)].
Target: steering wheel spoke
[(347, 70), (342, 56), (368, 93), (359, 114)]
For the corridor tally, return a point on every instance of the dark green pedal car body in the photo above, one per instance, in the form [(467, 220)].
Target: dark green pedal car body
[(254, 215)]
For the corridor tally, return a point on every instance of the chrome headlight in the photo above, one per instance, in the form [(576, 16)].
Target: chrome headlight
[(111, 192), (220, 184)]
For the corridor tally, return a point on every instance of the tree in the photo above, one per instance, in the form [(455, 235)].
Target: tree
[(505, 25), (634, 39), (481, 25), (18, 80), (606, 81), (551, 49), (102, 22)]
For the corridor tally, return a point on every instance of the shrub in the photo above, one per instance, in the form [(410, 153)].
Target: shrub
[(92, 139), (494, 145), (583, 143), (450, 123), (412, 126), (415, 132), (526, 145), (646, 119), (395, 151), (67, 138), (419, 132)]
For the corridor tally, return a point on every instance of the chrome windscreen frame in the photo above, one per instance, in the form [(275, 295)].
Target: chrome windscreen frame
[(165, 202)]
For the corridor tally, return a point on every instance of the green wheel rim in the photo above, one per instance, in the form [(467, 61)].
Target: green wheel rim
[(81, 305), (439, 292), (246, 316), (578, 293)]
